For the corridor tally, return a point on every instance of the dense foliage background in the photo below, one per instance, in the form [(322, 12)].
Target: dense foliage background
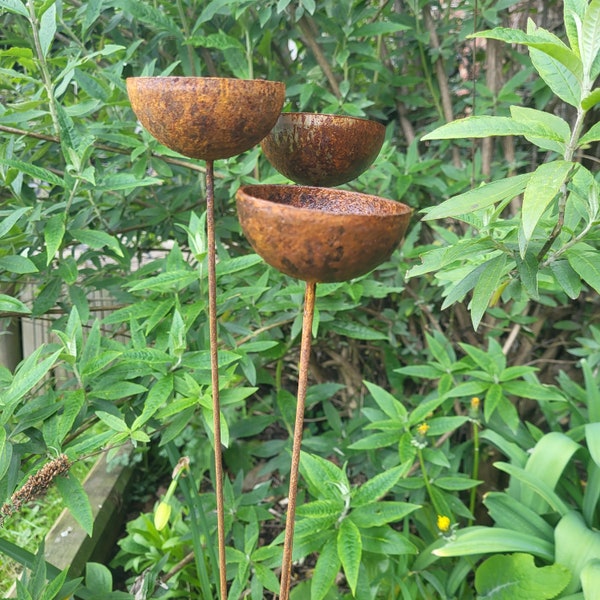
[(454, 395)]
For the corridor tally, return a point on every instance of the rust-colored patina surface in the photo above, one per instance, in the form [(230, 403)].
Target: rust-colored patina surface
[(206, 117), (322, 150), (320, 234)]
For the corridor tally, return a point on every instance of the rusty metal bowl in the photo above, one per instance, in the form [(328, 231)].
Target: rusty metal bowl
[(322, 150), (206, 117), (320, 234)]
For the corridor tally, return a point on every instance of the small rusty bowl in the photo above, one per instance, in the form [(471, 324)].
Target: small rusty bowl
[(206, 117), (320, 234), (322, 150)]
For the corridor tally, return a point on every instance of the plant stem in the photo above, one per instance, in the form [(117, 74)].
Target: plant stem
[(214, 367), (286, 564), (44, 71), (427, 482), (475, 472)]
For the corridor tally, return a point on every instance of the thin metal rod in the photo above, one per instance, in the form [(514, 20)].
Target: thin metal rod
[(307, 319), (214, 368)]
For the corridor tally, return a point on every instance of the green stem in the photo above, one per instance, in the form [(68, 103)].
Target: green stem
[(43, 65), (475, 472), (427, 482)]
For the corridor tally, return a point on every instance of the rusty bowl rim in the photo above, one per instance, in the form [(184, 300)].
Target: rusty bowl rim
[(336, 116), (199, 78), (332, 192)]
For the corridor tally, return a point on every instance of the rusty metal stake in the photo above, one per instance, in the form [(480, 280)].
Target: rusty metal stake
[(307, 319), (214, 367)]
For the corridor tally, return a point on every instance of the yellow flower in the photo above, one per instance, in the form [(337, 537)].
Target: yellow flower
[(443, 523), (475, 403), (161, 516), (422, 429)]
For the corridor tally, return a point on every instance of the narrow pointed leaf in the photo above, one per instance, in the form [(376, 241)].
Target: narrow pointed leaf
[(326, 570), (584, 261), (349, 547)]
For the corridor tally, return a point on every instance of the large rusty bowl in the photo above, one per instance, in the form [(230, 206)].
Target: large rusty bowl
[(320, 234), (322, 150), (206, 117)]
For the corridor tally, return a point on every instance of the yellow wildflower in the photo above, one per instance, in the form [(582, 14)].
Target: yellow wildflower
[(475, 403), (443, 523), (422, 429)]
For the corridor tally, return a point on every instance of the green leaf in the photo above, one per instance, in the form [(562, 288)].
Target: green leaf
[(7, 223), (391, 406), (592, 438), (324, 478), (584, 261), (18, 264), (357, 331), (479, 127), (543, 187), (349, 548), (33, 171), (590, 100), (478, 198), (115, 423), (557, 77), (376, 487), (592, 135), (47, 28), (553, 132), (489, 280), (567, 278), (77, 501), (589, 44), (590, 578), (380, 513), (13, 305), (576, 545), (510, 513), (97, 239), (510, 576), (386, 541), (540, 40), (157, 396), (14, 6), (54, 231), (326, 570), (485, 540), (175, 280), (378, 28)]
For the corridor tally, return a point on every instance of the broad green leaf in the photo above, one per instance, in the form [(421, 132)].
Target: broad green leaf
[(76, 500), (584, 261), (357, 331), (8, 222), (485, 540), (592, 438), (576, 545), (380, 513), (567, 278), (115, 423), (543, 187), (14, 6), (18, 264), (386, 541), (97, 239), (546, 463), (378, 28), (590, 578), (324, 478), (33, 171), (592, 135), (47, 28), (510, 576), (479, 127), (167, 282), (591, 99), (13, 305), (326, 570), (554, 132), (478, 198), (539, 493), (349, 548), (489, 280), (390, 405), (589, 44), (574, 11), (321, 508), (557, 77), (511, 513), (159, 394), (54, 231), (540, 40)]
